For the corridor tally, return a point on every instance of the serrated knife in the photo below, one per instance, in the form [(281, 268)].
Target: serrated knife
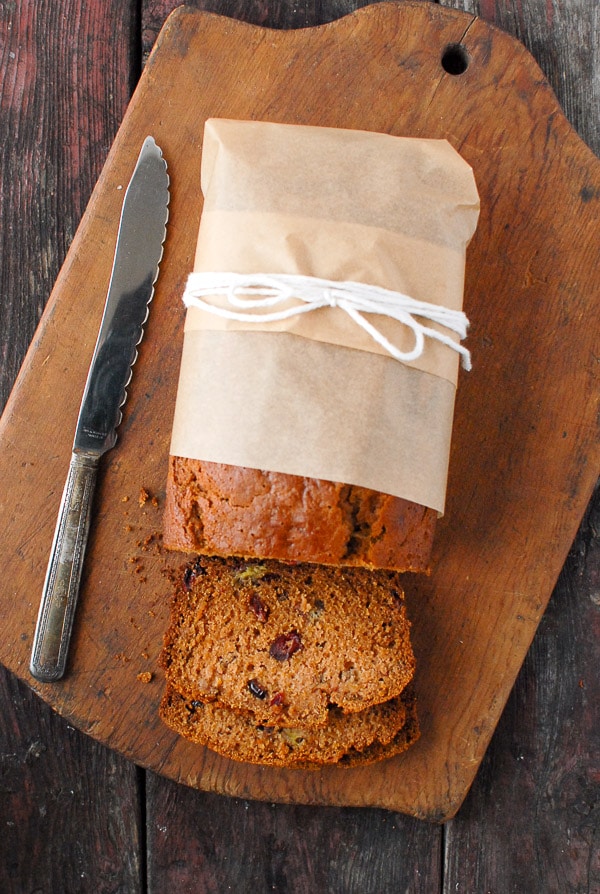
[(138, 252)]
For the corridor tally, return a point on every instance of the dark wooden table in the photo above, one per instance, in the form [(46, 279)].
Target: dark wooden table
[(76, 817)]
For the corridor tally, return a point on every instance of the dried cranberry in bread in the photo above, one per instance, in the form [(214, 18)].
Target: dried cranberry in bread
[(222, 510), (240, 738), (286, 642)]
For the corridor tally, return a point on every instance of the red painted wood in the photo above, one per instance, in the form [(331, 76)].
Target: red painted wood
[(70, 810)]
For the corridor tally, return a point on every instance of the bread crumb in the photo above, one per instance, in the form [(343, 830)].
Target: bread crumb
[(125, 499), (145, 677), (146, 496)]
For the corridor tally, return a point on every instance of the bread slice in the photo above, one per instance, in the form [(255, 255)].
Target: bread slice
[(284, 643), (347, 739)]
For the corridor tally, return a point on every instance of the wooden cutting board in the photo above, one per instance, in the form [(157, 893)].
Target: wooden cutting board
[(525, 450)]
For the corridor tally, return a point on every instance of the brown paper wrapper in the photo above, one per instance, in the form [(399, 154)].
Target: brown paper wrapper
[(314, 395)]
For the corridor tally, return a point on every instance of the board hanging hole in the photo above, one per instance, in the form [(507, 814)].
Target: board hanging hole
[(455, 59)]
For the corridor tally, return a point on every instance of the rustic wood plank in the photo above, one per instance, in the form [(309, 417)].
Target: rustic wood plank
[(266, 13), (213, 843), (71, 813), (209, 843), (66, 82), (70, 808), (530, 821), (205, 843), (475, 856)]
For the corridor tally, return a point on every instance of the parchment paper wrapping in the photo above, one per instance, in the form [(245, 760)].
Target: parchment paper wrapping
[(315, 395)]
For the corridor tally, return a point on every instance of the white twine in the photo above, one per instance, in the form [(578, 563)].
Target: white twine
[(251, 294)]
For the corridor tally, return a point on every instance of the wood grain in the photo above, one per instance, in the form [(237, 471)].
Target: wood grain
[(563, 38), (60, 787), (541, 768), (70, 808), (229, 843)]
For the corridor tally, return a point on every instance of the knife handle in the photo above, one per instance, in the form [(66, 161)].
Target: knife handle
[(61, 587)]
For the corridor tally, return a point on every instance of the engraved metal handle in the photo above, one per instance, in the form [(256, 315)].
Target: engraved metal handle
[(61, 587)]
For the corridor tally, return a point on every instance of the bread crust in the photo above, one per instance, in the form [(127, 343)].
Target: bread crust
[(217, 509)]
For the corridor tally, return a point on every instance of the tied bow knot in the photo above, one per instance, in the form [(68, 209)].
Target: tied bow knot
[(254, 298)]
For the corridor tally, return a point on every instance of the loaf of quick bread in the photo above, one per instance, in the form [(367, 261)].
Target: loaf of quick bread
[(321, 348), (311, 437)]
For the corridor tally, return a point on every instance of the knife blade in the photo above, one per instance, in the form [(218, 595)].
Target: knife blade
[(138, 252)]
